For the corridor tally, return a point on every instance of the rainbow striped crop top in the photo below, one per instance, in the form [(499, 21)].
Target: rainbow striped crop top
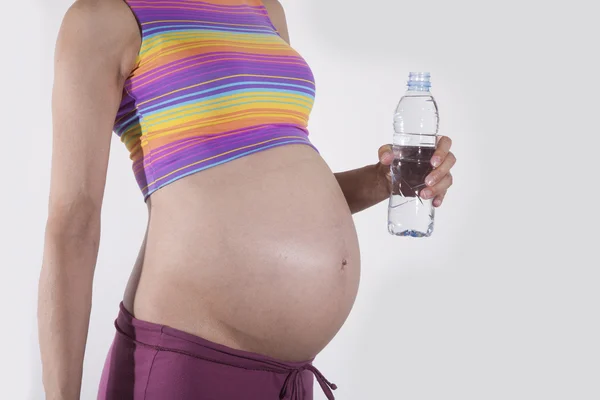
[(213, 82)]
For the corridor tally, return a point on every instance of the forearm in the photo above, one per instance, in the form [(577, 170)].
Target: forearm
[(364, 187), (64, 304)]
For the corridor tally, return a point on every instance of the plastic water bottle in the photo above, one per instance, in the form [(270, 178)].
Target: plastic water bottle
[(416, 123)]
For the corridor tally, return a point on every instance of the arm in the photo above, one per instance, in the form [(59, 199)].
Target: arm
[(364, 187), (367, 186), (86, 94)]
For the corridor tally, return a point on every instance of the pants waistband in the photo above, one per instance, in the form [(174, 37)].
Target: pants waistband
[(165, 338)]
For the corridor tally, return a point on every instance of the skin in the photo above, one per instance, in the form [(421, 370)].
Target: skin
[(301, 289), (92, 59)]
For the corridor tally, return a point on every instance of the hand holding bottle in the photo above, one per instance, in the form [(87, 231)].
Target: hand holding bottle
[(439, 180)]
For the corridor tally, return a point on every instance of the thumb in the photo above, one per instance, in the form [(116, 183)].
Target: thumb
[(386, 155)]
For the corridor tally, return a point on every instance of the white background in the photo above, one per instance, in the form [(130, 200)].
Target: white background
[(501, 303)]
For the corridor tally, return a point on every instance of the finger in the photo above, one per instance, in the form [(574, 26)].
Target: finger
[(439, 200), (386, 155), (440, 172), (441, 151), (441, 187)]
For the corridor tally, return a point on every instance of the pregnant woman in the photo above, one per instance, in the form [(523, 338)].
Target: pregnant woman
[(250, 263)]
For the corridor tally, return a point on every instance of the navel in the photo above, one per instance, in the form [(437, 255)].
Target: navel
[(344, 263)]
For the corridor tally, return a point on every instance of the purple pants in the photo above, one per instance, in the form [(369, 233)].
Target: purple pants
[(147, 361)]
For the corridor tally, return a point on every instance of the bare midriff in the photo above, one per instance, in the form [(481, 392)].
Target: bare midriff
[(258, 254)]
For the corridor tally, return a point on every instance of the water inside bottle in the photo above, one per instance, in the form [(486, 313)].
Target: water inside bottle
[(411, 166), (409, 169)]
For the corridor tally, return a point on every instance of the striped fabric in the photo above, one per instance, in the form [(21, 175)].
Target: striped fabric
[(213, 82)]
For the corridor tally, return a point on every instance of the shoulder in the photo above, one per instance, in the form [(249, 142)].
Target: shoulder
[(101, 29), (110, 17), (274, 8), (277, 16)]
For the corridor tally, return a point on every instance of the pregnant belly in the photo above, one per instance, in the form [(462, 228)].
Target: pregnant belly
[(259, 254)]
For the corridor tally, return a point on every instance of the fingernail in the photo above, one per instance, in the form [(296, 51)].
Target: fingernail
[(435, 161), (426, 194), (437, 202), (430, 181)]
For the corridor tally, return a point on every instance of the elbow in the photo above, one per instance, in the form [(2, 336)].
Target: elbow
[(73, 219), (72, 236)]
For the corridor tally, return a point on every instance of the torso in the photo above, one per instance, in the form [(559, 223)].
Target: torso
[(259, 253)]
